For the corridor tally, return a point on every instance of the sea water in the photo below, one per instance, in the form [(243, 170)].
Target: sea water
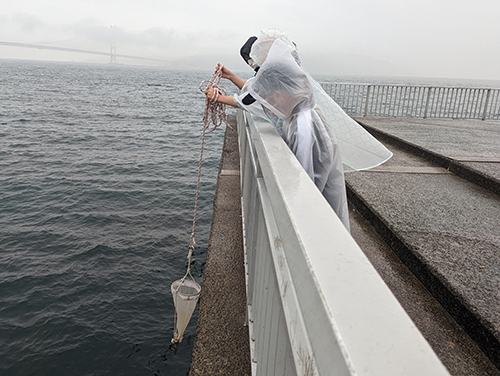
[(98, 172)]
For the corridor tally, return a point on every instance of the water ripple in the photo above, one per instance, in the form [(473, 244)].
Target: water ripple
[(98, 172)]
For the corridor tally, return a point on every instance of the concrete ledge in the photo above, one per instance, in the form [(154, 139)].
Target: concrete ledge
[(429, 221), (453, 165), (221, 345), (479, 330)]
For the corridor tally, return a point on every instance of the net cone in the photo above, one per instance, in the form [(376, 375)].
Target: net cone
[(185, 294)]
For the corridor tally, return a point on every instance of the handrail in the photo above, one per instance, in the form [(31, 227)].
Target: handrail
[(316, 306), (416, 100)]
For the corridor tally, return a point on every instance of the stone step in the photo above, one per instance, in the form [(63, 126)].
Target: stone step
[(446, 231)]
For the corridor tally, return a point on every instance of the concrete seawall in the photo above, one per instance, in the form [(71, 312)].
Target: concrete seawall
[(221, 344)]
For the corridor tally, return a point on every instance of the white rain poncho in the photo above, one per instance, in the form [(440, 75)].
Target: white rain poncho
[(282, 87), (359, 149), (255, 108)]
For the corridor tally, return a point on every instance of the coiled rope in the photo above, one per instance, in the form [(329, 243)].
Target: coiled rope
[(215, 113)]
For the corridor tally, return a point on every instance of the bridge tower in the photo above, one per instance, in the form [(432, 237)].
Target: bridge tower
[(112, 53)]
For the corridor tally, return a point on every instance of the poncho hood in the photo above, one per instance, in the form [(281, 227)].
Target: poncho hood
[(281, 85)]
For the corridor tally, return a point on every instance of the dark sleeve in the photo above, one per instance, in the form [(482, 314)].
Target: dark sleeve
[(248, 100)]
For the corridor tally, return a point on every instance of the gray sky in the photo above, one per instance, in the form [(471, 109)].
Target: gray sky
[(422, 38)]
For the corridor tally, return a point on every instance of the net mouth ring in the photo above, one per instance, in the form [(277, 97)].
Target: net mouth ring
[(186, 290)]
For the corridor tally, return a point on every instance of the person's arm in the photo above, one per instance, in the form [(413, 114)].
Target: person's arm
[(226, 73), (224, 99)]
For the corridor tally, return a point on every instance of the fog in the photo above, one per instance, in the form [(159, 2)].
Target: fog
[(439, 38)]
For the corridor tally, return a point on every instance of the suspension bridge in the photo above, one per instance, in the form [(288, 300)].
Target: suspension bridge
[(112, 53)]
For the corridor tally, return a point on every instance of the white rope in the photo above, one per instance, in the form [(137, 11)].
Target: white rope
[(215, 113)]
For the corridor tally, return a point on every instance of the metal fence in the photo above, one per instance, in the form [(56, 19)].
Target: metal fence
[(316, 306), (416, 101)]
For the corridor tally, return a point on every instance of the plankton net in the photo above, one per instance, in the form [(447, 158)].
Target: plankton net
[(186, 291)]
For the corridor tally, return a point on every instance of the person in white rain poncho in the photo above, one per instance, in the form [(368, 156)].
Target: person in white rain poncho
[(359, 149), (282, 87), (285, 95)]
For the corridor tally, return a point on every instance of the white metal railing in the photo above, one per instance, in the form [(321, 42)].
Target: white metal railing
[(416, 101), (316, 306)]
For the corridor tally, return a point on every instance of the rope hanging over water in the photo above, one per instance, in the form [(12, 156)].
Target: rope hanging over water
[(186, 293), (215, 113)]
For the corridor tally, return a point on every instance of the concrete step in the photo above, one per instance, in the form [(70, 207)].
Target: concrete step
[(468, 148), (446, 232), (458, 352)]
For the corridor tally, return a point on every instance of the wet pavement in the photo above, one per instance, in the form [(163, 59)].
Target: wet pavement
[(445, 229), (469, 148)]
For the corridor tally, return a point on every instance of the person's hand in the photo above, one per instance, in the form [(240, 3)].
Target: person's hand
[(210, 93)]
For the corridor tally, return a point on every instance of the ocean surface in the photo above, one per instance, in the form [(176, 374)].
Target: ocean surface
[(98, 171)]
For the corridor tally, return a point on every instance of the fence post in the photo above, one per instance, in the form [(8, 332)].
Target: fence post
[(427, 102), (486, 104), (367, 99)]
